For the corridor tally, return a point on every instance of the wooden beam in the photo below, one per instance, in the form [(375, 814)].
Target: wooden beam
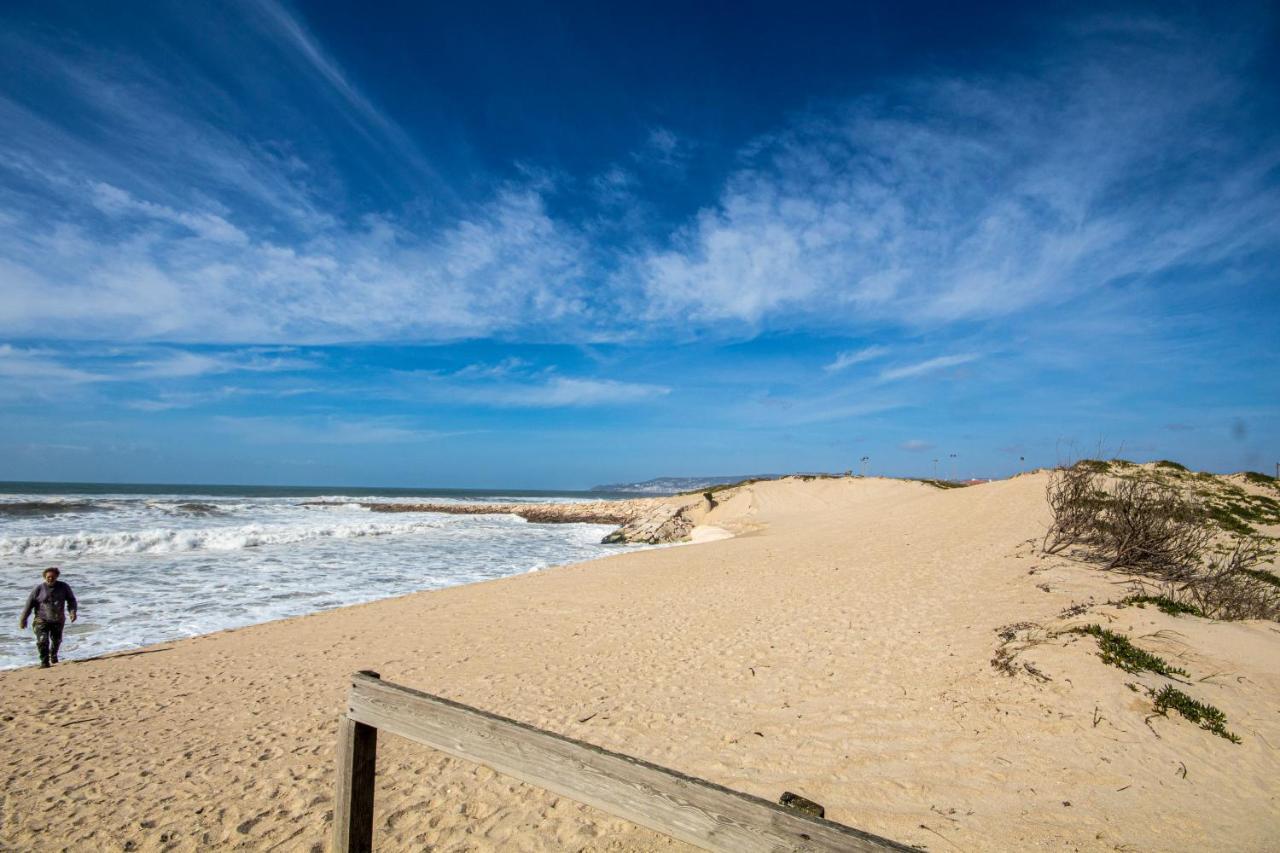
[(690, 809), (357, 764)]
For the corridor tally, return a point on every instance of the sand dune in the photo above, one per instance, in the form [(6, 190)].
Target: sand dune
[(838, 646)]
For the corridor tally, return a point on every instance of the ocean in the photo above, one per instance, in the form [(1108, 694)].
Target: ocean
[(152, 563)]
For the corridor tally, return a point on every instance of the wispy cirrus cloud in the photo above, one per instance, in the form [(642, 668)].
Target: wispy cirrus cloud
[(366, 117), (169, 363), (849, 358), (40, 365), (953, 200), (54, 367), (115, 202), (928, 366), (564, 391), (328, 430)]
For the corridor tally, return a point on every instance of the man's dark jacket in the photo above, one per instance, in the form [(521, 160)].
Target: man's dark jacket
[(50, 602)]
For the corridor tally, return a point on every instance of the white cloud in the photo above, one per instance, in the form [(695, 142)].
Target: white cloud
[(849, 358), (916, 445), (615, 186), (507, 266), (947, 201), (562, 391), (51, 369), (115, 201), (505, 367), (922, 368), (957, 200), (327, 430), (177, 364), (39, 366)]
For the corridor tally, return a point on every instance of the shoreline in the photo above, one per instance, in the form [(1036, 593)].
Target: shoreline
[(839, 649), (700, 534)]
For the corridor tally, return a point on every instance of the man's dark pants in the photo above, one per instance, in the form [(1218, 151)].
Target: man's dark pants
[(48, 640)]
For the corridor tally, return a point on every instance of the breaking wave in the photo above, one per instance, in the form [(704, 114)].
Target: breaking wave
[(169, 541), (36, 508)]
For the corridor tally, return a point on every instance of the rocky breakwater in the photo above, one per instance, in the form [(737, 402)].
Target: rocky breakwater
[(641, 521)]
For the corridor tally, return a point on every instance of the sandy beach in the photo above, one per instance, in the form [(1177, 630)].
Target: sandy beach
[(838, 646)]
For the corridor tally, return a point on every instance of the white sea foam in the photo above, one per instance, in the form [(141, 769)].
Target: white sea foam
[(157, 567), (177, 540)]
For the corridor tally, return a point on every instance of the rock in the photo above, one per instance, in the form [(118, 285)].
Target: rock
[(661, 525)]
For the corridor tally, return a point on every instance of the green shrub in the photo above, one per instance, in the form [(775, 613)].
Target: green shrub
[(1164, 603), (1205, 716), (1116, 650)]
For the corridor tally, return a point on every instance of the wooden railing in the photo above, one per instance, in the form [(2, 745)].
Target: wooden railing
[(690, 809)]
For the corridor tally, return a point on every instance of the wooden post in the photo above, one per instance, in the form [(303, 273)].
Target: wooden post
[(357, 763)]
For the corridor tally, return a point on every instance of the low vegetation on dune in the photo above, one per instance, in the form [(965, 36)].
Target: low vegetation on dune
[(1117, 650), (1190, 535), (1190, 543), (1207, 717), (1162, 603)]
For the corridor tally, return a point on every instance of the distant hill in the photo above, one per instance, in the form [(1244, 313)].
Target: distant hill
[(676, 485)]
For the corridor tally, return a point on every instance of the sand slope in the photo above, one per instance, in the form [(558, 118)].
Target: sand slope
[(838, 647)]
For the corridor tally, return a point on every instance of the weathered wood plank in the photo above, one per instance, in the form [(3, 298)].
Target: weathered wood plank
[(353, 808), (690, 809)]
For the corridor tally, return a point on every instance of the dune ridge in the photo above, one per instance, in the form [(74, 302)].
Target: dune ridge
[(840, 646)]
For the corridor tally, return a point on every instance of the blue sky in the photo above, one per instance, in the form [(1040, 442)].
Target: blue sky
[(554, 245)]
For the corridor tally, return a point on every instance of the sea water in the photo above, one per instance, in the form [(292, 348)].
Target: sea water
[(156, 563)]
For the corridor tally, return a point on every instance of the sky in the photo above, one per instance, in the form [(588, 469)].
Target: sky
[(555, 245)]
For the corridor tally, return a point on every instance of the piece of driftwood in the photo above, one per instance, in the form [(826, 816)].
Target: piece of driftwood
[(693, 810)]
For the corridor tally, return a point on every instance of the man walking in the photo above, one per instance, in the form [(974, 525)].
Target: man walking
[(51, 601)]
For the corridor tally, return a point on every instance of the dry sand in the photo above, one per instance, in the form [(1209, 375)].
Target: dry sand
[(839, 647)]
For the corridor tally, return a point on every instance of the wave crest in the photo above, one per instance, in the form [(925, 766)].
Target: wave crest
[(25, 508), (167, 541)]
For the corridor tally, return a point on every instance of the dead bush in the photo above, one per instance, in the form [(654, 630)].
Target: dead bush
[(1075, 499), (1149, 528), (1233, 587), (1137, 523)]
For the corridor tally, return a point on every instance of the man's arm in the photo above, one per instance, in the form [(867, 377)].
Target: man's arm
[(26, 611), (71, 603)]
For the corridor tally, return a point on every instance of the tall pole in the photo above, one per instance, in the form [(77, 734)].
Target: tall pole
[(865, 459), (935, 469), (953, 467)]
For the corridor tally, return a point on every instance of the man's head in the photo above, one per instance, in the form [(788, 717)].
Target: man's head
[(51, 574)]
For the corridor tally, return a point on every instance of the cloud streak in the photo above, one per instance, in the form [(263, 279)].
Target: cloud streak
[(926, 367), (849, 358), (327, 430)]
